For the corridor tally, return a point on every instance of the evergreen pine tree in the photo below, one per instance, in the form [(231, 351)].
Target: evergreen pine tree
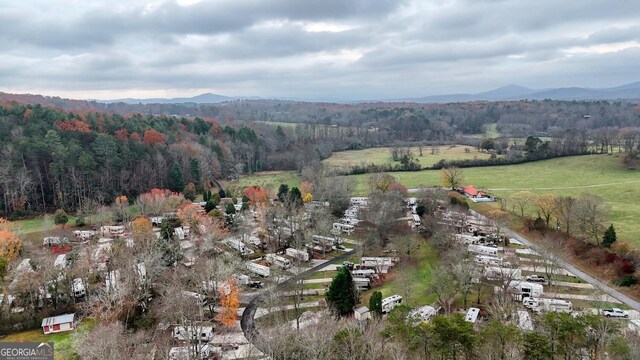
[(375, 303), (176, 182), (609, 237), (342, 295)]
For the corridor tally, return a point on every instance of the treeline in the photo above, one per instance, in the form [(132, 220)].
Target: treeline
[(52, 159)]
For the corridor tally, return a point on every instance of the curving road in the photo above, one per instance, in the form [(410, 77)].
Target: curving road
[(605, 288), (247, 321)]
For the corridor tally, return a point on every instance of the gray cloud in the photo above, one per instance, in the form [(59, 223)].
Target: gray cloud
[(325, 49)]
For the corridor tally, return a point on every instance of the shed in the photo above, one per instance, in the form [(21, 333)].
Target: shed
[(362, 313), (56, 324)]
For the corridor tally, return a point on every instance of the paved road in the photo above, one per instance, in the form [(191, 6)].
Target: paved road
[(605, 288), (248, 315)]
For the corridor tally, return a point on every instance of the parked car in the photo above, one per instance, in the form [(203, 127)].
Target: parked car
[(535, 278), (348, 264), (615, 312)]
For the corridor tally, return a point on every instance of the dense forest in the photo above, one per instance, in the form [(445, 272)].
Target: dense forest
[(52, 158)]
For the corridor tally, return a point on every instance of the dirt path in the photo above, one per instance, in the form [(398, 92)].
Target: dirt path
[(567, 187)]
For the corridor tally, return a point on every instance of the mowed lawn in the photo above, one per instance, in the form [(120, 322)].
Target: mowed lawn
[(415, 274), (39, 224), (379, 156), (602, 175), (62, 342)]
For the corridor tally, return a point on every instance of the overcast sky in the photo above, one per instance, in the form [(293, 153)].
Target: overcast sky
[(329, 49)]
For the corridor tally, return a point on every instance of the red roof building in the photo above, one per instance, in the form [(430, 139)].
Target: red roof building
[(470, 191)]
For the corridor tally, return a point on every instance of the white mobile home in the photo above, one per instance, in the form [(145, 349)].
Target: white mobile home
[(78, 289), (345, 228), (483, 250), (524, 321), (377, 261), (363, 272), (390, 303), (416, 220), (423, 313), (362, 282), (359, 201), (550, 305), (238, 246), (488, 260), (61, 261)]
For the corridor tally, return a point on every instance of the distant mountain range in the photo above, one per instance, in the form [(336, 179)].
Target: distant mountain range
[(515, 92), (207, 98)]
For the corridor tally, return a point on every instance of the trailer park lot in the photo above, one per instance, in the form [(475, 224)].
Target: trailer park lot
[(503, 268)]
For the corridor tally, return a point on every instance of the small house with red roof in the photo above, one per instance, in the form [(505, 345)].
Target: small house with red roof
[(471, 192)]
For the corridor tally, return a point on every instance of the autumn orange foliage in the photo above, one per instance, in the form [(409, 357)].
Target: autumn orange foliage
[(152, 137), (230, 302), (10, 243), (158, 201), (141, 229), (74, 125), (257, 195)]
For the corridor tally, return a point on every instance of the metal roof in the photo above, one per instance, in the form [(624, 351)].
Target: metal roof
[(56, 320)]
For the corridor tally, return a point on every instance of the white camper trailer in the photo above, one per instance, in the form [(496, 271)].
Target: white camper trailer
[(376, 261), (362, 282), (277, 260), (483, 250), (472, 315), (200, 299), (193, 333), (345, 228), (526, 289), (549, 305), (502, 273), (416, 220), (238, 246), (299, 255), (524, 321), (390, 303), (423, 313), (78, 289), (258, 269)]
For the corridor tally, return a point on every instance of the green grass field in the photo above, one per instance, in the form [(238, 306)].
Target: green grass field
[(63, 347), (379, 156), (39, 224), (603, 175), (416, 273)]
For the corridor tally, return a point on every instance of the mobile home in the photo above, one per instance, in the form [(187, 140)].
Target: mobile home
[(238, 246), (56, 324), (345, 228), (549, 305), (277, 260), (362, 282), (416, 220)]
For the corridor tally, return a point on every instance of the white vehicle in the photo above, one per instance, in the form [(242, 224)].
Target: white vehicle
[(411, 202), (156, 220), (360, 201), (277, 260), (362, 282), (112, 282), (416, 220), (502, 273), (116, 230), (535, 278), (78, 289), (483, 250), (61, 261), (254, 240), (467, 239), (363, 272), (299, 255), (193, 333), (238, 246), (345, 228), (200, 299), (349, 221), (550, 305), (84, 234), (488, 260), (615, 312), (258, 269), (524, 321), (527, 289), (390, 303), (179, 233), (423, 313), (376, 261), (319, 239), (53, 240), (472, 315), (185, 352)]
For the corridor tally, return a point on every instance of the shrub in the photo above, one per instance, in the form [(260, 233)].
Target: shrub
[(627, 281)]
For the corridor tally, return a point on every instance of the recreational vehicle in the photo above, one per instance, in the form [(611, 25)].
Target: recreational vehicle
[(526, 289), (483, 250), (345, 228), (277, 260), (502, 273), (549, 305), (472, 315), (259, 269), (362, 283), (390, 303), (299, 255), (77, 288), (376, 261), (193, 333), (238, 246), (363, 272), (416, 220)]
